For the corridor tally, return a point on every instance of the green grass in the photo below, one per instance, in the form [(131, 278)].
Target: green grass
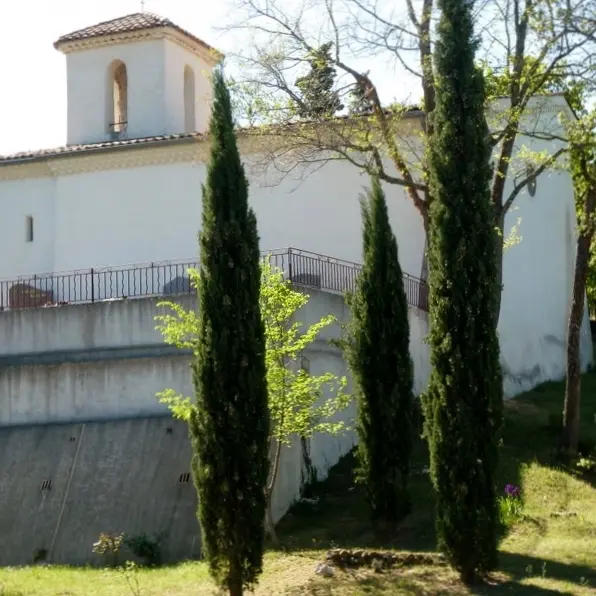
[(552, 550)]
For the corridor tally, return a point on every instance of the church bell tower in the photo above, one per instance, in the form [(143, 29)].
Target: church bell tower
[(136, 76)]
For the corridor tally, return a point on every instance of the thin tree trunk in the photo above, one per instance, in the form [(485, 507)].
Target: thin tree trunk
[(500, 223), (571, 410), (269, 524), (235, 584)]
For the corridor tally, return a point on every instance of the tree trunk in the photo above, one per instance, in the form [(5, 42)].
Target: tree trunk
[(500, 224), (571, 417), (235, 584), (269, 524)]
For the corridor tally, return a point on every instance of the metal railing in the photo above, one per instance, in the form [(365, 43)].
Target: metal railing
[(118, 126), (166, 278)]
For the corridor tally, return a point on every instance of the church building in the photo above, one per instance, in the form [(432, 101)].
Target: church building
[(96, 232), (126, 189)]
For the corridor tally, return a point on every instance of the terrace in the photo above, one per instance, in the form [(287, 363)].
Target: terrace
[(166, 278)]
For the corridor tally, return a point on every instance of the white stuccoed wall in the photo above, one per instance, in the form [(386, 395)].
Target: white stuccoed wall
[(147, 214), (152, 213), (88, 86), (155, 93), (176, 58)]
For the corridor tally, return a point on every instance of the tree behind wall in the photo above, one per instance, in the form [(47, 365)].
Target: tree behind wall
[(229, 428), (463, 404), (379, 356), (583, 169)]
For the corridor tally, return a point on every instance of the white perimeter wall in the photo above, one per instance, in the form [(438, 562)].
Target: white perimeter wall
[(153, 213), (147, 214)]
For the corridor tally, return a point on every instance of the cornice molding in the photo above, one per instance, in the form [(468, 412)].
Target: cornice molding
[(22, 171), (160, 153), (92, 43), (119, 158)]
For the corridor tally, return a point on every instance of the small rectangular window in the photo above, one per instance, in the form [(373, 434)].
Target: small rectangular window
[(28, 229)]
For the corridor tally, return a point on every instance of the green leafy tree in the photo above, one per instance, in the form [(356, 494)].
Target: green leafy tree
[(583, 170), (229, 427), (318, 97), (577, 93), (378, 348), (463, 404), (300, 403)]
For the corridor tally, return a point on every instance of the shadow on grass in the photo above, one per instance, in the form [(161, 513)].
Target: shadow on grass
[(340, 517), (521, 567), (533, 425)]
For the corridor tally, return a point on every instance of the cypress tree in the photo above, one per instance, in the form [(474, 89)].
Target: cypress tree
[(463, 405), (319, 98), (229, 428), (379, 356)]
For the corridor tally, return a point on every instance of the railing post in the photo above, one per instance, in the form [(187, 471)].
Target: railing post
[(92, 285), (290, 264)]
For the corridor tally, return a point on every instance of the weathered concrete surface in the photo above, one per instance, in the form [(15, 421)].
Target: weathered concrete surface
[(125, 329), (106, 361), (118, 476), (109, 324), (91, 391)]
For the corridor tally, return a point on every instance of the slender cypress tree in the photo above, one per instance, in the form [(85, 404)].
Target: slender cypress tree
[(379, 356), (463, 405), (229, 428)]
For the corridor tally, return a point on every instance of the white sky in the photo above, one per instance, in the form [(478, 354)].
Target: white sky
[(33, 94)]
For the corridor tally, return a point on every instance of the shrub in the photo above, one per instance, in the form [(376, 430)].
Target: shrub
[(108, 546), (147, 549)]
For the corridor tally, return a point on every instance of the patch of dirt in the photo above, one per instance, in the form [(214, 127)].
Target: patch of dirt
[(379, 560)]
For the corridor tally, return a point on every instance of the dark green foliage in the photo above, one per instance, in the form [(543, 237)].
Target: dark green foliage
[(146, 548), (379, 355), (229, 428), (319, 99), (463, 406), (358, 100)]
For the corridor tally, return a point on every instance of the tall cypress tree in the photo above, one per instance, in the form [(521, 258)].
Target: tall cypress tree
[(229, 428), (463, 405), (379, 355)]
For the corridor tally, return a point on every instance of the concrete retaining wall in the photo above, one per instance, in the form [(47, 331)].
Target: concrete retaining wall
[(116, 476), (106, 360), (120, 476), (79, 385)]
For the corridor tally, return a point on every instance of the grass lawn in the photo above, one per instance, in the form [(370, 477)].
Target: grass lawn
[(552, 550)]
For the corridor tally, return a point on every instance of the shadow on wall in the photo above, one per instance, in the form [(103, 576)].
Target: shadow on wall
[(65, 484), (62, 485)]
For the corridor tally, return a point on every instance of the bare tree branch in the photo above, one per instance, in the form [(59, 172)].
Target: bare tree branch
[(519, 186), (529, 42)]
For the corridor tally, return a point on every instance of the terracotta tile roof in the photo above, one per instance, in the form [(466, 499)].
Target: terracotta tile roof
[(137, 21), (71, 149)]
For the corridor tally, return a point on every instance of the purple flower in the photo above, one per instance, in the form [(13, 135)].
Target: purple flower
[(512, 491)]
